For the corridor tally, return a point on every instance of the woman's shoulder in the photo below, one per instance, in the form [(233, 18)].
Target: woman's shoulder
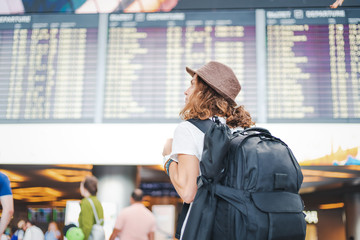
[(87, 200), (94, 198), (183, 124), (84, 202), (188, 132), (96, 202), (186, 126)]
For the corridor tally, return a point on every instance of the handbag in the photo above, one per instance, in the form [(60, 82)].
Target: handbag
[(97, 230)]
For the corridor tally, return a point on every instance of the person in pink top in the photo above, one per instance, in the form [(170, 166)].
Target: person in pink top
[(135, 222)]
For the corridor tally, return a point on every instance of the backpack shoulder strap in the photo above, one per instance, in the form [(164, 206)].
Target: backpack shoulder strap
[(94, 210), (181, 219), (203, 125)]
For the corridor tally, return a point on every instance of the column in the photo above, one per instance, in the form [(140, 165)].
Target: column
[(116, 184), (352, 213)]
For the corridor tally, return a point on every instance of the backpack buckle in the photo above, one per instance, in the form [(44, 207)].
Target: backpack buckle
[(200, 182), (216, 119)]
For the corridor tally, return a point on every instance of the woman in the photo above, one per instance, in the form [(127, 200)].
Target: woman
[(53, 232), (213, 90), (88, 189)]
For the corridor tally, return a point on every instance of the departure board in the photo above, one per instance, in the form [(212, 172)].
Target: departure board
[(130, 67), (147, 54), (313, 65), (48, 67)]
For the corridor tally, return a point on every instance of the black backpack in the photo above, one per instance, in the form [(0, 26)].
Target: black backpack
[(248, 189)]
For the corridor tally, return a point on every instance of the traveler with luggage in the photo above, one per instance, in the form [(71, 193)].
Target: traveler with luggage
[(212, 92), (91, 216), (240, 184)]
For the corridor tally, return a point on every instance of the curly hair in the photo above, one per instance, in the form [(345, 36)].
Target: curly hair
[(205, 102)]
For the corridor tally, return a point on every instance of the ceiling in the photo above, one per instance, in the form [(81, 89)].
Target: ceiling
[(53, 185), (45, 184)]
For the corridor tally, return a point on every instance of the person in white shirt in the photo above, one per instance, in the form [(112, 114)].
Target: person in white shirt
[(20, 231), (33, 232), (213, 90)]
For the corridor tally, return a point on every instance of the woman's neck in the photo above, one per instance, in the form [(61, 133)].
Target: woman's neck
[(86, 194)]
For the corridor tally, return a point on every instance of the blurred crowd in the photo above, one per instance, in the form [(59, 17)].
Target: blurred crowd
[(27, 230)]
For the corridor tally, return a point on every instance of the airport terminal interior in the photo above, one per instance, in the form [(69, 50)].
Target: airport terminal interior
[(91, 87)]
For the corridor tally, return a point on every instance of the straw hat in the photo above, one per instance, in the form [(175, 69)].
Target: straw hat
[(219, 77)]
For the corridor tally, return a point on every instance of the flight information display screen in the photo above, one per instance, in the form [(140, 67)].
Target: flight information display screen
[(313, 65), (48, 67), (295, 65), (147, 55)]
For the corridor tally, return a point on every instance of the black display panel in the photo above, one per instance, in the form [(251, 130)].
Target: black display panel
[(147, 54), (48, 66), (313, 65)]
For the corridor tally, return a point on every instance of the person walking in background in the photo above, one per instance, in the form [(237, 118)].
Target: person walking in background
[(33, 232), (212, 92), (88, 190), (53, 232), (135, 222), (7, 202), (19, 233)]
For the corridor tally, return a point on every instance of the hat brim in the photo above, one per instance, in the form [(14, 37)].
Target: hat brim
[(190, 71)]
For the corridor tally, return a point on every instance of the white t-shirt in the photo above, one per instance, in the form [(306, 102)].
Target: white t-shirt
[(20, 234), (34, 233), (188, 139)]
